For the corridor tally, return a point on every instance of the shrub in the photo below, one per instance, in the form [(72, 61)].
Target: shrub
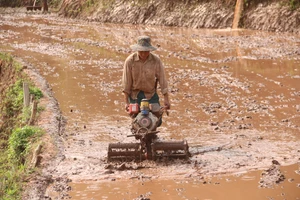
[(20, 142)]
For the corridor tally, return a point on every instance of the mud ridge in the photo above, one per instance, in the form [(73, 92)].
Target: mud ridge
[(53, 123), (271, 176)]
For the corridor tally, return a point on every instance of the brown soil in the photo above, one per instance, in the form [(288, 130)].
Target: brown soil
[(51, 121), (257, 15), (7, 77), (234, 96)]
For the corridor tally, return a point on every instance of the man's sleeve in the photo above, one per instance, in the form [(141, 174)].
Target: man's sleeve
[(127, 78), (162, 79)]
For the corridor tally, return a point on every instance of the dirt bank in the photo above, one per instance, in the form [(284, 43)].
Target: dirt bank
[(51, 121), (7, 77), (259, 15)]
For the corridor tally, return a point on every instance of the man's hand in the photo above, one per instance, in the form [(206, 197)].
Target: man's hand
[(167, 102), (126, 98), (127, 107)]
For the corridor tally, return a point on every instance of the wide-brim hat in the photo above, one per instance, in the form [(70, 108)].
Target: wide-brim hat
[(143, 44)]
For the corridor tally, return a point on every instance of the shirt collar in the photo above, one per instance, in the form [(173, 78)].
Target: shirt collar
[(137, 58)]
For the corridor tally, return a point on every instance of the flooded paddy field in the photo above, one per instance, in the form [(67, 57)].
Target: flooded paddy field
[(235, 98)]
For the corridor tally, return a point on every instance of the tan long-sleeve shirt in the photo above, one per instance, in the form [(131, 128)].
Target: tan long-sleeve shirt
[(141, 76)]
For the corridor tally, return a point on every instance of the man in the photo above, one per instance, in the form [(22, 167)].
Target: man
[(142, 71)]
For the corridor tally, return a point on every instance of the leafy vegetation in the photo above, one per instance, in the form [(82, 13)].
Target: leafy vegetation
[(54, 3), (294, 4), (12, 106), (16, 138), (20, 142), (14, 169), (9, 59)]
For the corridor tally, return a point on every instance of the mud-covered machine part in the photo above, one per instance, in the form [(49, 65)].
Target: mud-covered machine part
[(148, 149), (124, 150), (145, 120)]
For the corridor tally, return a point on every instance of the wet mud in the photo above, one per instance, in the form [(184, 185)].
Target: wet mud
[(235, 97)]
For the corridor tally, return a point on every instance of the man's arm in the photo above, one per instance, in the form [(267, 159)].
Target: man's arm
[(127, 82), (164, 85), (126, 99)]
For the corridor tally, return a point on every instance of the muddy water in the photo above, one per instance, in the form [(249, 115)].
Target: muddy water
[(235, 98), (226, 187)]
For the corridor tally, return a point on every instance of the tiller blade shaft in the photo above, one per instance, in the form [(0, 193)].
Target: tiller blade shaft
[(175, 149), (124, 151)]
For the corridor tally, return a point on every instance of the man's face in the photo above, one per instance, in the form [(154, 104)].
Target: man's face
[(143, 55)]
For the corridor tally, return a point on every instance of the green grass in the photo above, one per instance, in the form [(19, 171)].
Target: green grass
[(16, 138), (13, 103), (9, 59), (15, 168), (20, 142), (294, 4)]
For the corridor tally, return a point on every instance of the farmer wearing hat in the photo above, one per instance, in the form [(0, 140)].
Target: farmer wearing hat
[(141, 73)]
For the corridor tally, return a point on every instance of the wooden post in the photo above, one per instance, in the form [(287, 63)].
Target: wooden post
[(36, 157), (31, 97), (33, 112), (26, 94), (45, 6), (239, 6)]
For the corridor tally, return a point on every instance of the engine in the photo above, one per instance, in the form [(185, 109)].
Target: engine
[(145, 116), (148, 121)]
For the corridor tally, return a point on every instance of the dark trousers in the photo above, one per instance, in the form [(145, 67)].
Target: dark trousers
[(141, 95)]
